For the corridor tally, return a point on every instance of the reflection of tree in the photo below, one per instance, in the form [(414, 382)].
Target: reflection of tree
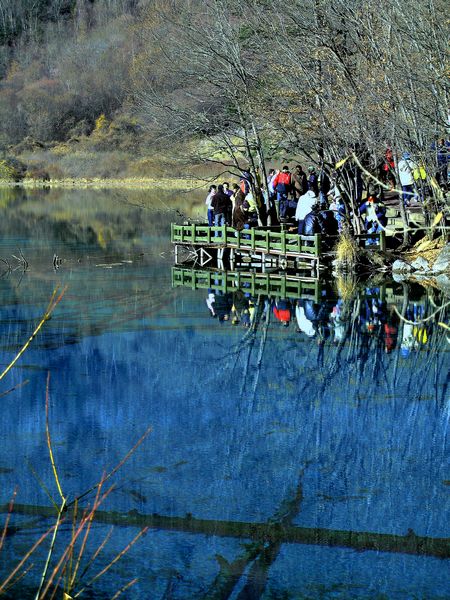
[(361, 349), (259, 556)]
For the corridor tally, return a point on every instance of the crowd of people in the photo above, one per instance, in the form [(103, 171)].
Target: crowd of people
[(308, 198), (313, 202)]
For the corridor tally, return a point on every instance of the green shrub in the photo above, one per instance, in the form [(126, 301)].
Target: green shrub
[(12, 169)]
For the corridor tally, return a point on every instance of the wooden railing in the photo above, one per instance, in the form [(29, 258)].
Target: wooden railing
[(268, 284), (260, 240)]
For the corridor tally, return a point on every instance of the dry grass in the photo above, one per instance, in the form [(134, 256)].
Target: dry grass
[(427, 249), (346, 251), (346, 286)]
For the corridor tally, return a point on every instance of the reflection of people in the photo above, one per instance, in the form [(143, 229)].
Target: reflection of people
[(390, 330), (338, 322), (305, 325), (210, 299), (222, 306), (240, 306), (282, 311), (409, 342)]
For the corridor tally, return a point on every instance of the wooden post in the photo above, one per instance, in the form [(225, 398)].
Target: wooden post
[(317, 244)]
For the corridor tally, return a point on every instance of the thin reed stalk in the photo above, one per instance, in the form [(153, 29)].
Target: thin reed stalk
[(50, 550), (49, 442), (96, 553), (50, 308), (115, 559), (69, 548), (8, 518), (24, 559), (83, 544), (124, 588), (116, 468)]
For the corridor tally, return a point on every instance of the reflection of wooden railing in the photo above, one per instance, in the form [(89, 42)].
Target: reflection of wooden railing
[(359, 540), (265, 241), (268, 284)]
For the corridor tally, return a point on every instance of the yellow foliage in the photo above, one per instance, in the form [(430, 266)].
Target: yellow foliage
[(61, 150), (103, 237), (437, 219), (342, 162), (8, 171), (101, 123)]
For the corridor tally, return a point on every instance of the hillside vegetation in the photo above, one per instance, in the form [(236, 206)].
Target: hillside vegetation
[(139, 88)]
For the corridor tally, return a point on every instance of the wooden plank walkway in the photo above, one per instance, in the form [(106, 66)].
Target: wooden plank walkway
[(268, 284)]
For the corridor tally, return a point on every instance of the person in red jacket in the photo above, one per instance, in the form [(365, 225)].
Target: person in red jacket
[(282, 184)]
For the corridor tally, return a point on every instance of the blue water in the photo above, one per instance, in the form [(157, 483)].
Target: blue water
[(241, 418)]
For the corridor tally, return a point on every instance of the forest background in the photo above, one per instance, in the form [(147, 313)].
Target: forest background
[(148, 88)]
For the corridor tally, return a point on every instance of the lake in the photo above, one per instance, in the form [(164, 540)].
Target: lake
[(308, 460)]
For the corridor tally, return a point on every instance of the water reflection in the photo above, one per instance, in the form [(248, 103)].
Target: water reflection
[(353, 326), (281, 456)]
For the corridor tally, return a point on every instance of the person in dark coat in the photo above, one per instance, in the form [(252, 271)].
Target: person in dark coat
[(313, 183), (329, 226), (299, 181), (312, 223), (221, 204), (240, 215)]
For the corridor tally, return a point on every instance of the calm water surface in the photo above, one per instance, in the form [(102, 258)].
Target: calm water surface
[(338, 422)]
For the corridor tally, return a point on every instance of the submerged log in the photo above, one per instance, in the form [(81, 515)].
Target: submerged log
[(270, 532)]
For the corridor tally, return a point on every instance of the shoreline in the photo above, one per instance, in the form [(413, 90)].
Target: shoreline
[(148, 183)]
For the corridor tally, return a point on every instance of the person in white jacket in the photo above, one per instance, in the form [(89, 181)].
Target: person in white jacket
[(304, 207), (210, 211), (406, 169)]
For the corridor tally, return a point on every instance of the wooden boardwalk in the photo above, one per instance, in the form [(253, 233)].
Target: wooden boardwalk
[(268, 284), (262, 246)]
